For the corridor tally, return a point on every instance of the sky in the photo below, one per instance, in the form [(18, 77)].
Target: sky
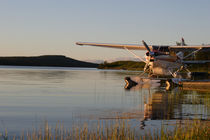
[(52, 27)]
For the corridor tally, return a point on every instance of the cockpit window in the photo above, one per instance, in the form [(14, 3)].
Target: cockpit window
[(160, 48)]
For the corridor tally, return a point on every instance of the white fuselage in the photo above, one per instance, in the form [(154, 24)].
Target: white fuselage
[(163, 65)]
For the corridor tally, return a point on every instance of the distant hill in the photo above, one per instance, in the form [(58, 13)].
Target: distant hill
[(45, 60)]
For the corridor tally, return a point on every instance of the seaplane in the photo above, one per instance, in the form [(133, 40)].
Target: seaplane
[(162, 62)]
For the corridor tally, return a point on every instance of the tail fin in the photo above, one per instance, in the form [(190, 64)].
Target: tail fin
[(183, 42)]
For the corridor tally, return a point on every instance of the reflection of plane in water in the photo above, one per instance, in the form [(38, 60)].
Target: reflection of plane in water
[(162, 105), (178, 103), (158, 107), (162, 61)]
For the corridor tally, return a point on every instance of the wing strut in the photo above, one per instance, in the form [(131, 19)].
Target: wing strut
[(141, 59), (194, 52)]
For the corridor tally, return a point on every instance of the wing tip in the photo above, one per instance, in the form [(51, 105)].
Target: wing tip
[(79, 43)]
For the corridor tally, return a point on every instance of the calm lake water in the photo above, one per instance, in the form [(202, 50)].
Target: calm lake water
[(31, 95)]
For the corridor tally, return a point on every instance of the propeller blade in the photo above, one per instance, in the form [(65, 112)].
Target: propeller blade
[(146, 46)]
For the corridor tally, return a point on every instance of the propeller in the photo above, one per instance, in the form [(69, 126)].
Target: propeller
[(146, 46), (149, 53), (148, 49)]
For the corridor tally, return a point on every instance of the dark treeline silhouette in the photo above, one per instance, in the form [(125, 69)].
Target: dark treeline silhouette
[(45, 60)]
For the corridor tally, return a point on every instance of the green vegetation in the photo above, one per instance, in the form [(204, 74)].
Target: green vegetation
[(133, 65), (195, 130), (199, 67), (125, 65)]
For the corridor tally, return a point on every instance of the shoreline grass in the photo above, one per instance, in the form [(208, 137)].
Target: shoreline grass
[(120, 130)]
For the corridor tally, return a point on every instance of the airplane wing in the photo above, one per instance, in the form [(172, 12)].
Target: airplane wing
[(119, 46), (139, 47), (189, 47)]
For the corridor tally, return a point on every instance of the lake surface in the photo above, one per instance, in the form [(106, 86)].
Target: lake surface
[(29, 96)]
